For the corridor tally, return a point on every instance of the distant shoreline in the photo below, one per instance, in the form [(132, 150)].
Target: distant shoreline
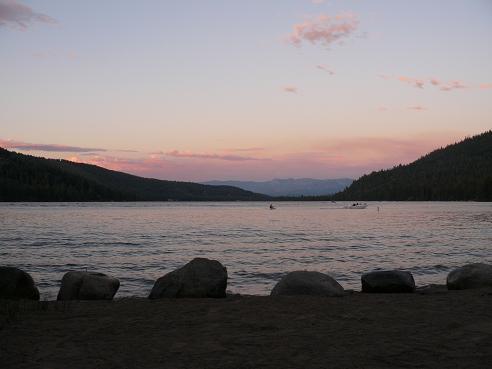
[(232, 201)]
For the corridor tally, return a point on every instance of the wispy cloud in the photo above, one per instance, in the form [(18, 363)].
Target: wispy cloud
[(128, 151), (485, 86), (447, 86), (318, 2), (442, 85), (246, 149), (164, 165), (417, 108), (20, 16), (26, 146), (412, 81), (291, 89), (331, 157), (323, 29), (325, 69), (150, 165), (181, 154)]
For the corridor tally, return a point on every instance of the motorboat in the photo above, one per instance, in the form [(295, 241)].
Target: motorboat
[(356, 205)]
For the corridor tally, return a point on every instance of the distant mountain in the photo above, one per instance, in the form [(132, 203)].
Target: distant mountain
[(29, 178), (462, 171), (290, 186)]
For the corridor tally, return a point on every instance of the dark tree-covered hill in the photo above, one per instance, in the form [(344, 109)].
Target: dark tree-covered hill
[(29, 178), (462, 171)]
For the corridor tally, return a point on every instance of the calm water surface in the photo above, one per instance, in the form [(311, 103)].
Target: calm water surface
[(139, 242)]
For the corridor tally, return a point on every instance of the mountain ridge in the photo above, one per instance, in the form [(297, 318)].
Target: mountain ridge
[(294, 187), (458, 172), (29, 178)]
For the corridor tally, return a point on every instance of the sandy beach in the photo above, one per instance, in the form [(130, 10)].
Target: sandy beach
[(433, 329)]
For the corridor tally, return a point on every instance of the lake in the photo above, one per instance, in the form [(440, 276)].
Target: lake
[(139, 242)]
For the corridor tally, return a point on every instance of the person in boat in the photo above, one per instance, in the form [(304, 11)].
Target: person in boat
[(272, 207)]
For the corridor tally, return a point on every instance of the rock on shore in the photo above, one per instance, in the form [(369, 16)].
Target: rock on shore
[(470, 276), (388, 281), (87, 286), (201, 277), (16, 284), (307, 283)]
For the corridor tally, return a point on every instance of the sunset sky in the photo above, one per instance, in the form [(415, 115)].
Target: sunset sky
[(252, 90)]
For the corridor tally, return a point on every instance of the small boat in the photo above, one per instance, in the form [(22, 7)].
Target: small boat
[(272, 207), (357, 205)]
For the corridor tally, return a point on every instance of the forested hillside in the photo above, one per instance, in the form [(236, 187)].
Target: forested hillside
[(462, 171), (29, 178)]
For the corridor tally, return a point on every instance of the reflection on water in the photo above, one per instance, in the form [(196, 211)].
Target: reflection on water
[(139, 242)]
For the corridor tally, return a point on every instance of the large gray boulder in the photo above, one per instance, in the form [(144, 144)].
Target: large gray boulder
[(87, 286), (388, 281), (16, 284), (470, 276), (199, 278), (307, 283)]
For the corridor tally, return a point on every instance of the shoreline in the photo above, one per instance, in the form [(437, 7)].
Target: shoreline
[(431, 328), (280, 200)]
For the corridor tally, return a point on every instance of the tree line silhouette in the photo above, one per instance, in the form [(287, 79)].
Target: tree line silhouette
[(461, 171), (29, 178)]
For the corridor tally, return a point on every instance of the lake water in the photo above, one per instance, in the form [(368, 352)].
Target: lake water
[(139, 242)]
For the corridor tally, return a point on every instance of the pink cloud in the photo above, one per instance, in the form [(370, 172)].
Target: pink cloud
[(325, 68), (323, 29), (291, 89), (435, 82), (349, 157), (485, 86), (180, 154), (25, 146), (246, 149), (452, 85), (412, 81), (149, 166), (20, 16), (420, 82), (417, 108), (157, 165)]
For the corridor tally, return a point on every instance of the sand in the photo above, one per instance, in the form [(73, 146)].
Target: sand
[(433, 330)]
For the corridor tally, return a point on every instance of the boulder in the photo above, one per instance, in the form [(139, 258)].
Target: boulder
[(470, 276), (388, 281), (16, 284), (199, 278), (307, 283), (87, 286)]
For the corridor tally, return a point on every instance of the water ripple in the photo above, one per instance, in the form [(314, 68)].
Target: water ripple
[(139, 242)]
